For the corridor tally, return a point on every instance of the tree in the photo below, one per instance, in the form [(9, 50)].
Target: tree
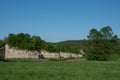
[(101, 44), (24, 41), (53, 48), (94, 34), (2, 43), (11, 40), (106, 33), (36, 43)]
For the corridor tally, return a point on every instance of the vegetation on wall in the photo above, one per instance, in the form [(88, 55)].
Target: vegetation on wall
[(54, 47), (25, 41), (73, 46)]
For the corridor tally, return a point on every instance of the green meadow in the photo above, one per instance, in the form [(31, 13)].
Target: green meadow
[(60, 70)]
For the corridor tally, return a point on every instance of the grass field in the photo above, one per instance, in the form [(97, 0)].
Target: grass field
[(60, 70)]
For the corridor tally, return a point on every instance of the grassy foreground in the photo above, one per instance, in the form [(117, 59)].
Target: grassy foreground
[(60, 70)]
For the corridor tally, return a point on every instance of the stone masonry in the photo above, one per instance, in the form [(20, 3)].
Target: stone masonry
[(15, 53)]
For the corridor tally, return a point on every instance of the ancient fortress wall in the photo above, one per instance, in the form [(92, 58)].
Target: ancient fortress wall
[(15, 53)]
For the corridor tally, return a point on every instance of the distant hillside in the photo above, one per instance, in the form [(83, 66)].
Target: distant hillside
[(73, 43)]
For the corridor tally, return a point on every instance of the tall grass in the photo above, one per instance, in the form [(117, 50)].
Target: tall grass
[(60, 70)]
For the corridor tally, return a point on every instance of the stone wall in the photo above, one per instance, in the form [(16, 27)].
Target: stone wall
[(15, 53), (61, 54)]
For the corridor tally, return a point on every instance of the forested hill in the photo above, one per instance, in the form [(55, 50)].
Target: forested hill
[(73, 43)]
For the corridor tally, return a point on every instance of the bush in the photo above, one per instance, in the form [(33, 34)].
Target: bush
[(98, 57), (97, 54), (1, 57), (115, 55)]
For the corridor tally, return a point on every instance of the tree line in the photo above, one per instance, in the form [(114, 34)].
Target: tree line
[(27, 42), (100, 45)]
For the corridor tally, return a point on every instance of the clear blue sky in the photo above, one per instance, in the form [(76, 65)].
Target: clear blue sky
[(58, 20)]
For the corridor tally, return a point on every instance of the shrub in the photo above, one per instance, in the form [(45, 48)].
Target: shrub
[(98, 57), (1, 57), (97, 54)]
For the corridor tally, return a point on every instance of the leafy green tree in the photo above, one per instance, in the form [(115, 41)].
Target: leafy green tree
[(2, 43), (107, 33), (36, 43), (94, 35), (101, 44), (23, 40), (11, 40), (52, 48)]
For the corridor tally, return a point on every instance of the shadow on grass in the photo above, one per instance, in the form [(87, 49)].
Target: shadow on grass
[(23, 60)]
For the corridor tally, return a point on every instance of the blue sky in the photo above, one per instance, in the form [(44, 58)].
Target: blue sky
[(58, 20)]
